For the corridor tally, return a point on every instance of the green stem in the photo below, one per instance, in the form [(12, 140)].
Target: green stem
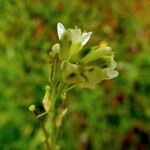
[(70, 88), (43, 128), (56, 90), (41, 115), (52, 115)]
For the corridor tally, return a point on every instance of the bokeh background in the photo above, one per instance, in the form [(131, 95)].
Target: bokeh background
[(115, 115)]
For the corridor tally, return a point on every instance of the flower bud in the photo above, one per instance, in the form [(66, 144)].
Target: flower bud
[(59, 117), (46, 99), (56, 48), (46, 104), (32, 108)]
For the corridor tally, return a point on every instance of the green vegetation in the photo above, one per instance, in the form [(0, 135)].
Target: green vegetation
[(115, 115)]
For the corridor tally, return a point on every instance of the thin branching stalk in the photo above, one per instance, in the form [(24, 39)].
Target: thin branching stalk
[(43, 128)]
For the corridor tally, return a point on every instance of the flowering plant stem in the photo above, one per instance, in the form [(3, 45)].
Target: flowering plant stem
[(57, 87), (43, 128), (71, 65), (51, 126)]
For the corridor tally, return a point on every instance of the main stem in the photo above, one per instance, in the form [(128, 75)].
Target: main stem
[(57, 87), (44, 130), (54, 85), (52, 125)]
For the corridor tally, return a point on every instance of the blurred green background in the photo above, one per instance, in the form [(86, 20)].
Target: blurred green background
[(114, 116)]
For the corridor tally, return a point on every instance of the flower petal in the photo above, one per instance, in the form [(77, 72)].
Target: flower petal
[(60, 30), (85, 37), (76, 36)]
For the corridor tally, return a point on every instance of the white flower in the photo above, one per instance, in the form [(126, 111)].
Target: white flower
[(84, 67), (76, 35)]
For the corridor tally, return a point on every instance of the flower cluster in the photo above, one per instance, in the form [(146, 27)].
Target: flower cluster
[(83, 66), (71, 64)]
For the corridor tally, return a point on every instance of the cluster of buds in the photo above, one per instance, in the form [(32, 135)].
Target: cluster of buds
[(81, 66)]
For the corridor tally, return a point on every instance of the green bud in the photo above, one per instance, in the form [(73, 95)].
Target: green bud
[(32, 108), (47, 88), (46, 99), (97, 53), (46, 104), (56, 48)]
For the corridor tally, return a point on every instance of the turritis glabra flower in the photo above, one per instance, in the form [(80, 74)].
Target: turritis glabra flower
[(71, 42), (71, 64), (81, 65)]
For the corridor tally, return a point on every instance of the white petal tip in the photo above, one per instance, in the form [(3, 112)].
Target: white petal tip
[(60, 30), (86, 37)]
